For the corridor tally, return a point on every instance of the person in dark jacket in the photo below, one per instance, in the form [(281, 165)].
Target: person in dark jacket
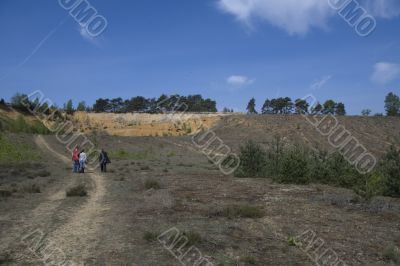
[(104, 160)]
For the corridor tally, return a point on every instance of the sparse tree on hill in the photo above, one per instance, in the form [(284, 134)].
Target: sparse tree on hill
[(20, 102), (392, 104), (267, 107), (117, 105), (329, 107), (301, 106), (227, 110), (69, 107), (137, 104), (102, 105), (251, 106), (340, 109), (366, 112), (81, 106), (316, 109)]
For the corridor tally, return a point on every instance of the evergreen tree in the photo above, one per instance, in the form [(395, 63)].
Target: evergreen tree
[(81, 106), (69, 107), (251, 107), (301, 106), (392, 104), (267, 107), (366, 112), (340, 109)]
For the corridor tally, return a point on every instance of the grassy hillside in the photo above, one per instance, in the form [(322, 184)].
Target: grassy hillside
[(21, 123)]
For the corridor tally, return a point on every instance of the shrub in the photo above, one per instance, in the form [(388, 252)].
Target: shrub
[(248, 260), (252, 161), (341, 172), (152, 184), (33, 188), (243, 212), (390, 168), (150, 236), (371, 185), (292, 241), (392, 253), (5, 193), (193, 238), (20, 125), (5, 259), (319, 169), (77, 191), (44, 173), (145, 168), (274, 156), (295, 167), (39, 128)]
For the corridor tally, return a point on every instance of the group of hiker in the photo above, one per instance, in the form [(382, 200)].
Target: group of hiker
[(79, 159)]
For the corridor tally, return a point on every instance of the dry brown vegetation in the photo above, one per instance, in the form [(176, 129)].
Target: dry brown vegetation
[(232, 221)]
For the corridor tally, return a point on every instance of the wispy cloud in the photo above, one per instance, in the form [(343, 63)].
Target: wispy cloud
[(385, 72), (239, 80), (298, 17), (382, 8), (87, 37), (319, 83)]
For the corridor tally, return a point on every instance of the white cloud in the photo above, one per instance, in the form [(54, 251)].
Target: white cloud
[(238, 80), (382, 8), (385, 72), (317, 84), (298, 16)]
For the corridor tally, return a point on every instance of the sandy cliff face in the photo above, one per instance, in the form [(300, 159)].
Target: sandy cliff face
[(135, 124)]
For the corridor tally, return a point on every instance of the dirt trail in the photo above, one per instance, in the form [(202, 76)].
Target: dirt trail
[(79, 234)]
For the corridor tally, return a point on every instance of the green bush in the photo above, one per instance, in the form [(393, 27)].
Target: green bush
[(370, 185), (390, 168), (294, 167), (252, 161)]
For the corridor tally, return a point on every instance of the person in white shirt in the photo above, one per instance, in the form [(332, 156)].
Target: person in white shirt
[(82, 161)]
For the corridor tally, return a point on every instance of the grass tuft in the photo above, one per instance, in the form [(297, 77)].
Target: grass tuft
[(392, 253), (33, 188), (243, 212), (248, 260), (77, 191), (193, 238), (152, 184), (150, 236)]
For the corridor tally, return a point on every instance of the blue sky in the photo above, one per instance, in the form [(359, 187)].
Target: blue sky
[(228, 50)]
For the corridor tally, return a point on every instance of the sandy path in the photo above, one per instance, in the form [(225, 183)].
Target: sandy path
[(79, 235)]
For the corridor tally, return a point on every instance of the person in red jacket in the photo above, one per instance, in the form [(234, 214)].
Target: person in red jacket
[(75, 159)]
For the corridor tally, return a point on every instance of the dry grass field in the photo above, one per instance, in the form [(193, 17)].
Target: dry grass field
[(159, 181)]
